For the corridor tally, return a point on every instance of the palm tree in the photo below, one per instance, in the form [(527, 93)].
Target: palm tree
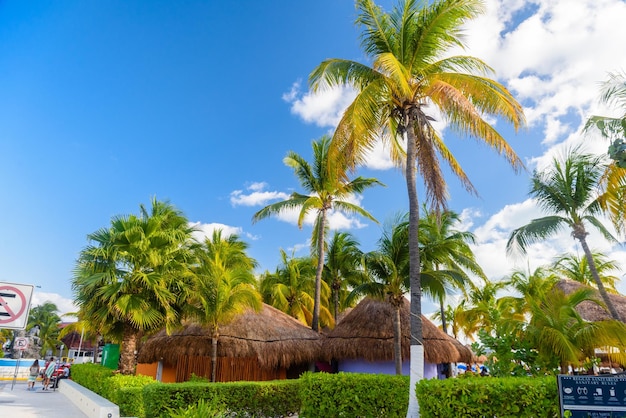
[(49, 334), (574, 267), (46, 318), (446, 257), (328, 189), (482, 309), (224, 286), (566, 191), (557, 330), (133, 277), (342, 268), (450, 313), (528, 286), (291, 289), (388, 271), (613, 200), (411, 73)]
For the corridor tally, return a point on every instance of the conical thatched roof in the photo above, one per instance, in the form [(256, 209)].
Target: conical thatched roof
[(367, 333), (591, 311), (271, 336)]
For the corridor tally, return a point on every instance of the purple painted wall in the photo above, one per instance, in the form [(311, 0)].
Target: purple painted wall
[(383, 367)]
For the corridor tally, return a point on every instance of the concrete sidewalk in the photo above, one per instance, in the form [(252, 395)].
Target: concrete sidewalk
[(22, 403)]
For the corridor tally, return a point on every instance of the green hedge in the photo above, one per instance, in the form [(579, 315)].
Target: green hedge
[(329, 395), (126, 392), (275, 398), (508, 397), (91, 376), (353, 395)]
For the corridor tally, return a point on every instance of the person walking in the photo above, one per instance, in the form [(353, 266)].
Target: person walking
[(48, 373), (33, 372)]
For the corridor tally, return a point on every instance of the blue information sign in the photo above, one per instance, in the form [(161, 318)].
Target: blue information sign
[(592, 396)]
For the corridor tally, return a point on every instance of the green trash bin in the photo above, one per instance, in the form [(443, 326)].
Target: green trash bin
[(111, 356)]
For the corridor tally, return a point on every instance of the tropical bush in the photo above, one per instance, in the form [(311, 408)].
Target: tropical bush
[(126, 392), (203, 409), (353, 395), (510, 397), (91, 376), (269, 399)]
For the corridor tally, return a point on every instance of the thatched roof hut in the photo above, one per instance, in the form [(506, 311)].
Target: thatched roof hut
[(272, 337), (367, 333), (591, 311)]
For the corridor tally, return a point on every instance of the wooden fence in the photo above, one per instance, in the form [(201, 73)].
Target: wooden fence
[(228, 369)]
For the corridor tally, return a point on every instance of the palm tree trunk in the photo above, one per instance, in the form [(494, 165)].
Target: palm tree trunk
[(214, 338), (315, 325), (128, 350), (417, 348), (397, 340), (444, 326), (442, 310), (336, 288), (596, 277)]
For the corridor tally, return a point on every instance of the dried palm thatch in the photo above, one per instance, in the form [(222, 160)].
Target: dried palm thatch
[(367, 333), (591, 311), (272, 337)]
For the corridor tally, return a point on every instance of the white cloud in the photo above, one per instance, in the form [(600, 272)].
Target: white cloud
[(323, 108), (63, 304), (258, 196), (551, 53), (206, 230)]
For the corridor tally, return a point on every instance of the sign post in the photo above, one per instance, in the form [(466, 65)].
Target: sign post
[(592, 396), (14, 305)]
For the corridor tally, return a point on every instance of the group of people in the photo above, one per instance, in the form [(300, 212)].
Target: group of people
[(46, 372)]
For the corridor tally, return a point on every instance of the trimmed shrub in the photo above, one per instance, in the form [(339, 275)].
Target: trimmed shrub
[(91, 376), (503, 397), (353, 395), (125, 391), (275, 398), (202, 409)]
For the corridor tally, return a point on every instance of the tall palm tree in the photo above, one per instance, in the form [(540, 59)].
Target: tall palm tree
[(567, 192), (133, 277), (291, 289), (412, 73), (224, 286), (613, 128), (446, 256), (388, 270), (342, 268), (327, 188), (575, 267)]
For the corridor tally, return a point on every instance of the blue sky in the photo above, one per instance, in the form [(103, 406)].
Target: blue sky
[(104, 105)]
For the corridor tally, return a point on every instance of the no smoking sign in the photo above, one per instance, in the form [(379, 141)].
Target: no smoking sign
[(14, 305)]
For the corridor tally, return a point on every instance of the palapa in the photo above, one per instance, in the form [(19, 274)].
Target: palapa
[(367, 333), (274, 338), (591, 311)]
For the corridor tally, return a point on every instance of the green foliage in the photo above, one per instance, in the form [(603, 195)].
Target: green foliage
[(511, 397), (91, 376), (276, 398), (512, 356), (198, 379), (126, 392), (130, 401), (353, 395), (203, 409)]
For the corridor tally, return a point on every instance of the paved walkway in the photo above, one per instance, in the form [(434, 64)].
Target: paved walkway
[(22, 403)]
